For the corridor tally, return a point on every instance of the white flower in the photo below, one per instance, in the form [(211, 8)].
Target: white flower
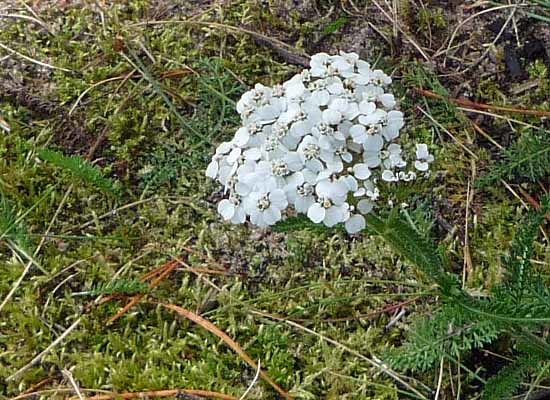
[(392, 124), (327, 212), (294, 88), (232, 209), (319, 65), (424, 158), (319, 141), (265, 208), (373, 145)]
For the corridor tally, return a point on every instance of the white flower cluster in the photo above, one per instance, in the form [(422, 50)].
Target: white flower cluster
[(321, 143)]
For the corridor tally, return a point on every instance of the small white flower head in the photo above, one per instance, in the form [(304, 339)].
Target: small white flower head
[(423, 158), (319, 143)]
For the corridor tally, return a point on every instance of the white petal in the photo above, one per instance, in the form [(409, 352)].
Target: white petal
[(332, 117), (388, 176), (335, 215), (421, 165), (355, 224), (278, 199), (294, 161), (367, 107), (365, 206), (253, 154), (303, 203), (226, 209), (316, 213), (234, 155), (387, 100), (422, 151), (373, 143), (242, 189), (272, 215), (241, 137), (239, 217), (361, 171), (212, 169), (357, 131)]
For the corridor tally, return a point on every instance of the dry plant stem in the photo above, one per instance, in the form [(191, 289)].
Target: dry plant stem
[(478, 129), (373, 362), (169, 267), (73, 383), (32, 60), (249, 388), (27, 18), (37, 393), (176, 393), (481, 106), (286, 51), (227, 340), (466, 149), (468, 267), (396, 24), (465, 21)]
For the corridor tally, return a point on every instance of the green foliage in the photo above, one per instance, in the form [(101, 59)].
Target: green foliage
[(335, 25), (527, 159), (120, 286), (516, 308), (302, 222), (11, 225), (81, 169), (417, 249), (449, 333), (507, 380)]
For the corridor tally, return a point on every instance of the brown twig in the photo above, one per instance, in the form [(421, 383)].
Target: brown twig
[(206, 324), (168, 268), (481, 106), (177, 393)]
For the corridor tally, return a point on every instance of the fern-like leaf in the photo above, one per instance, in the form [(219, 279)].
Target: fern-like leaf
[(504, 384), (81, 169), (528, 158), (410, 244)]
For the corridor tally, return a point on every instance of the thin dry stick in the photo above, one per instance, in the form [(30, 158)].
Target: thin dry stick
[(439, 379), (70, 377), (478, 129), (508, 119), (465, 21), (134, 300), (282, 47), (249, 388), (37, 393), (482, 106), (177, 393), (467, 150), (384, 310), (27, 18), (393, 21), (468, 266), (499, 34), (116, 210), (32, 60), (206, 324)]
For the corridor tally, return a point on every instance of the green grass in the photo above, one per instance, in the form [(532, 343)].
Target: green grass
[(159, 132)]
